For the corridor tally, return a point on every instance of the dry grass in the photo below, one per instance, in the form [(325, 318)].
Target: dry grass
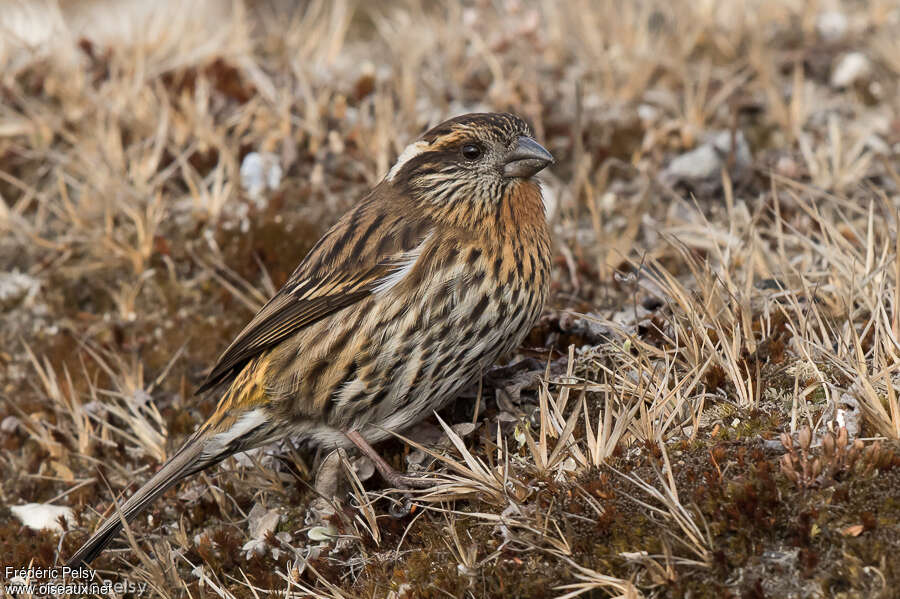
[(716, 414)]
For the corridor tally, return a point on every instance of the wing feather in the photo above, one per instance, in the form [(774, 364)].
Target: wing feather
[(320, 287)]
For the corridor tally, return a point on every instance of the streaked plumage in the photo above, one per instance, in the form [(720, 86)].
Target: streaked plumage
[(441, 269)]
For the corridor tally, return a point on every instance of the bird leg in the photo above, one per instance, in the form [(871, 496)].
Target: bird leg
[(387, 473)]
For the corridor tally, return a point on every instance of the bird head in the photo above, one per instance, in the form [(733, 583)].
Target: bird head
[(474, 160)]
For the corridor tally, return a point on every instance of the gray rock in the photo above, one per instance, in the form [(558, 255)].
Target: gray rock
[(706, 160), (700, 163)]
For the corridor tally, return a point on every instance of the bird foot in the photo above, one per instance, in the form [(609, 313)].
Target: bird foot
[(394, 478)]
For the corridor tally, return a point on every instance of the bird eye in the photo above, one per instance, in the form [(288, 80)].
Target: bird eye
[(471, 152)]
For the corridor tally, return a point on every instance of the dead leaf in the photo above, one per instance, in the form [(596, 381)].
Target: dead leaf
[(853, 531)]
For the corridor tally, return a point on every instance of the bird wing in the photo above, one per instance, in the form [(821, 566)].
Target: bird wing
[(360, 255)]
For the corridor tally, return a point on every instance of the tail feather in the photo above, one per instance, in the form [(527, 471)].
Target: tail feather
[(189, 459), (222, 435)]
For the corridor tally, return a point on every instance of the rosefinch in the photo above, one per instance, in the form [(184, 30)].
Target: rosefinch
[(440, 269)]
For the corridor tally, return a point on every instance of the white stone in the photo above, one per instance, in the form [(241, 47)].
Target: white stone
[(42, 516), (850, 68), (260, 172), (832, 26), (16, 286), (9, 424)]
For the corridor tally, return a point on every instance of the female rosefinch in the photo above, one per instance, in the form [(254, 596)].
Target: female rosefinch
[(442, 268)]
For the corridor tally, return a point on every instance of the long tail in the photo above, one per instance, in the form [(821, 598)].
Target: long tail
[(202, 450), (178, 467)]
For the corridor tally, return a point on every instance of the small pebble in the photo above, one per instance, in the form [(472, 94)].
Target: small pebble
[(832, 26), (850, 68), (260, 172)]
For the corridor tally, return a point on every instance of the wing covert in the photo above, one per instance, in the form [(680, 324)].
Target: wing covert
[(334, 275)]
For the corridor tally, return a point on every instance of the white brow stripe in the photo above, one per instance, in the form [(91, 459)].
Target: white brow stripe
[(410, 152), (404, 267)]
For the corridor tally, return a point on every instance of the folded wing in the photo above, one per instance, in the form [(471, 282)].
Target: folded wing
[(357, 257)]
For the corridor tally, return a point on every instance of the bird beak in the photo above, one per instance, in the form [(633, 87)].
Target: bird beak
[(526, 159)]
